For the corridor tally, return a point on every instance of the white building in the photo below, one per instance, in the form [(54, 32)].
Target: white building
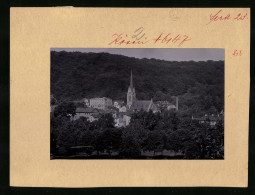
[(118, 103), (123, 109), (126, 119), (90, 113), (100, 103), (86, 102), (121, 119)]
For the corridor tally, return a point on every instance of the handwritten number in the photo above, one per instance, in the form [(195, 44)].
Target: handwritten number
[(221, 16), (237, 52), (138, 32), (241, 17)]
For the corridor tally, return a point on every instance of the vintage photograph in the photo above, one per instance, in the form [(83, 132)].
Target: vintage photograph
[(148, 103)]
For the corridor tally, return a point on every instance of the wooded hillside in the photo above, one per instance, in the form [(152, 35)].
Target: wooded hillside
[(199, 85)]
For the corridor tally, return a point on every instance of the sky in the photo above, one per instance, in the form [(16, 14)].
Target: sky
[(169, 54)]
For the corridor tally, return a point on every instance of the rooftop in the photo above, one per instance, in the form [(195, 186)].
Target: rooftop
[(86, 110), (141, 104)]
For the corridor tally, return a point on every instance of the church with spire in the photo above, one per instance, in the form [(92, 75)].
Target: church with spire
[(135, 105), (131, 96), (94, 107)]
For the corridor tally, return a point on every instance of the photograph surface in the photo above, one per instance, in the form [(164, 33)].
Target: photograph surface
[(144, 103)]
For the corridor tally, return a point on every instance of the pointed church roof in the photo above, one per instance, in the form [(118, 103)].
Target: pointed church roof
[(150, 105), (146, 105), (141, 104), (86, 110), (131, 80)]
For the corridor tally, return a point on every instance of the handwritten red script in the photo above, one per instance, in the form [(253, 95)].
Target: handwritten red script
[(221, 16), (162, 38), (237, 52)]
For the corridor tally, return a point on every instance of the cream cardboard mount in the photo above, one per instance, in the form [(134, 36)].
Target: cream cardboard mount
[(34, 31)]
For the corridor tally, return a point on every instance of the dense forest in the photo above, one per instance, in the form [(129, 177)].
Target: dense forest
[(199, 85), (160, 133)]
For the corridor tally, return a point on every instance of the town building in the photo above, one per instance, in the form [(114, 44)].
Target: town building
[(126, 119), (145, 105), (91, 114), (86, 102), (211, 119), (123, 109), (166, 105), (136, 105), (120, 111), (118, 119), (79, 103), (118, 103), (121, 119), (100, 103)]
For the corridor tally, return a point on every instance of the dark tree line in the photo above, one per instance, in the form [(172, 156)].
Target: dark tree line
[(147, 131)]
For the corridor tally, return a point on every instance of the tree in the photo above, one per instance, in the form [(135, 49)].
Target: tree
[(155, 141), (212, 110), (105, 121), (130, 146), (111, 140), (174, 141), (170, 120), (99, 141), (53, 100), (159, 96), (65, 109), (215, 141), (85, 138), (82, 124), (66, 135)]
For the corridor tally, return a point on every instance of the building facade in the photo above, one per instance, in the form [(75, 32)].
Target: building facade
[(123, 109), (118, 103), (210, 119), (86, 102), (100, 103), (91, 114), (121, 119)]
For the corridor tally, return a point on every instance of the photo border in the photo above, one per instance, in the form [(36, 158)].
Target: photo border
[(5, 95)]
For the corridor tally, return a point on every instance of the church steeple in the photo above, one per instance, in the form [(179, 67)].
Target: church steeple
[(131, 80), (131, 96)]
